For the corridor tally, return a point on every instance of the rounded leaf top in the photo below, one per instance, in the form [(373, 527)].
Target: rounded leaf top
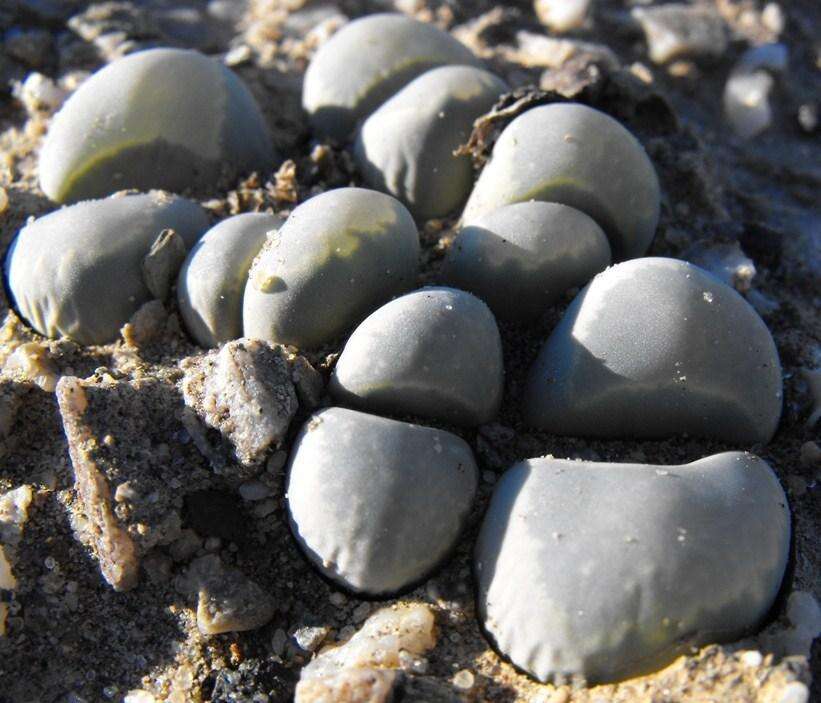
[(84, 270), (366, 62), (575, 155), (339, 256), (162, 118)]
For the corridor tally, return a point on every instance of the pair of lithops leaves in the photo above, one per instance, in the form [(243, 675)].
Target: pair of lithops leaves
[(410, 101)]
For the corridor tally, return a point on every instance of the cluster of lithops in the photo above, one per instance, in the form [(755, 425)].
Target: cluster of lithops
[(376, 503), (599, 571), (408, 102)]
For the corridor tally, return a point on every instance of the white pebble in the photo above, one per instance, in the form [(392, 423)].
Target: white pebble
[(562, 15), (139, 696), (463, 680), (752, 659), (795, 692), (747, 103)]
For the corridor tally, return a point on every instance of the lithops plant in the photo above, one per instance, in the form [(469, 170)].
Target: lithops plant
[(374, 503), (406, 147), (338, 256), (83, 271), (212, 280), (435, 353), (606, 571), (520, 258), (653, 348), (578, 156), (160, 118), (366, 62)]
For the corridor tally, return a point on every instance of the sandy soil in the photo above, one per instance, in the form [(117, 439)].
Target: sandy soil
[(70, 637)]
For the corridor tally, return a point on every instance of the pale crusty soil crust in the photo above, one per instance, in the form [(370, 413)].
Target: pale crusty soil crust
[(71, 637)]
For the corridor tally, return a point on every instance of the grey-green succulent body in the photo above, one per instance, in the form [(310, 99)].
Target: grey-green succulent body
[(654, 348), (338, 256), (406, 147), (161, 118), (607, 571), (521, 258), (212, 280), (374, 503), (79, 271), (366, 62), (575, 155), (434, 353)]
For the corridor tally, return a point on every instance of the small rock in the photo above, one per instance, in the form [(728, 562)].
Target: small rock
[(238, 55), (338, 600), (773, 18), (162, 262), (810, 454), (725, 261), (30, 362), (278, 642), (807, 119), (254, 490), (228, 600), (677, 31), (121, 525), (145, 325), (276, 462), (243, 390), (39, 92), (464, 680), (562, 15), (804, 612), (751, 659), (747, 91), (307, 381), (139, 696), (349, 685), (538, 50), (14, 506), (747, 104), (185, 546), (309, 638), (795, 692), (359, 666)]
